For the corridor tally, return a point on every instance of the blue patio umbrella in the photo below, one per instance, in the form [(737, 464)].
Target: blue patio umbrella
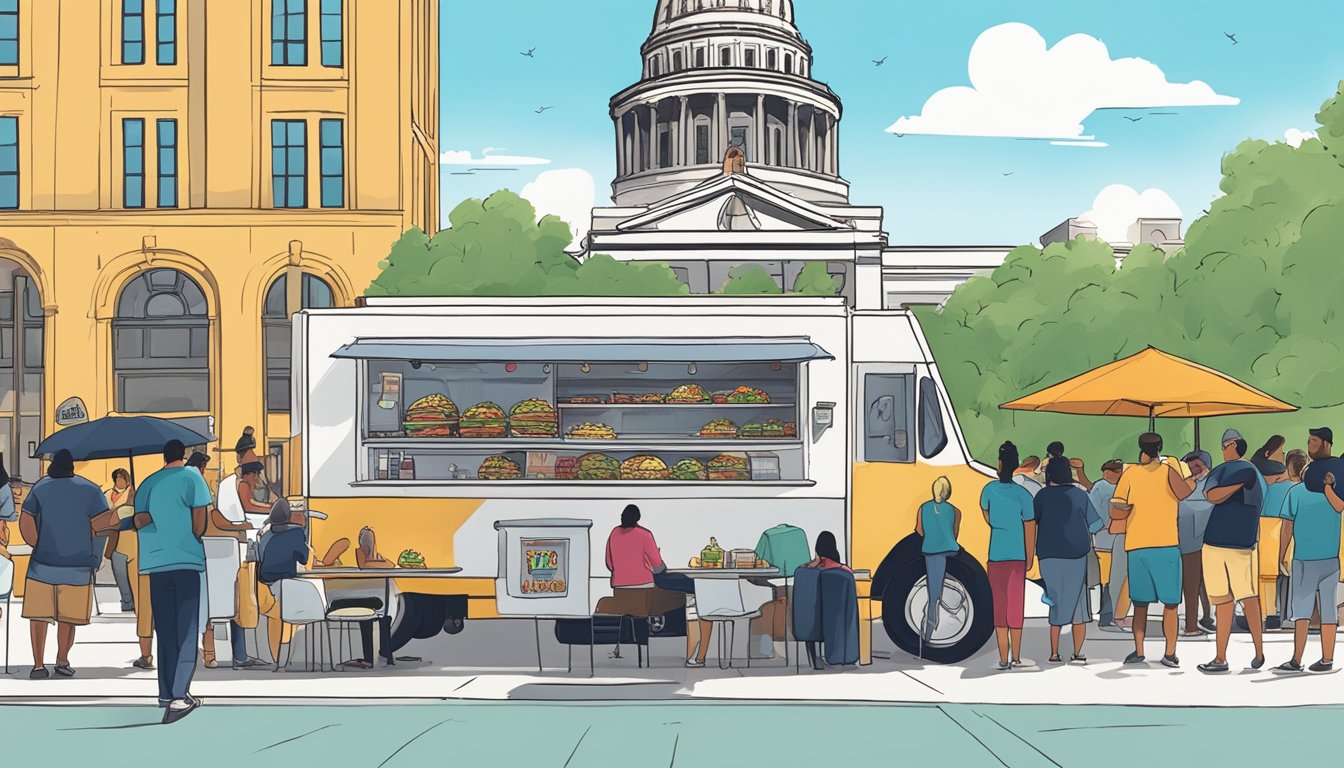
[(115, 437)]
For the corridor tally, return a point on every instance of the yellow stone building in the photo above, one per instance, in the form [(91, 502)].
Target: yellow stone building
[(177, 177)]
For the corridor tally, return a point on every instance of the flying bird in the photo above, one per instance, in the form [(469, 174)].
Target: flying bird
[(539, 110), (1133, 119), (1231, 37), (1010, 173), (899, 135), (881, 61), (528, 53)]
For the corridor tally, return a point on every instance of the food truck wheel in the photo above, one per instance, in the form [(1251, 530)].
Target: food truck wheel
[(965, 615), (454, 624)]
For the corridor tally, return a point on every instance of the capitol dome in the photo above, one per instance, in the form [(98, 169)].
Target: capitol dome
[(720, 74)]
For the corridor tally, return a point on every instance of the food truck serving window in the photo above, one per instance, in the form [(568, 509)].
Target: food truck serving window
[(588, 412)]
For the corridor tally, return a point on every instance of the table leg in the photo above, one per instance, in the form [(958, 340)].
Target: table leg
[(536, 626), (387, 613)]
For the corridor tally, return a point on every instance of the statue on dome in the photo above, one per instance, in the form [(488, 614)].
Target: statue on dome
[(734, 161)]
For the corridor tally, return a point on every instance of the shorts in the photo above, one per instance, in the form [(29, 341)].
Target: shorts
[(1007, 585), (1155, 575), (61, 603), (1229, 574), (1313, 579), (1066, 586)]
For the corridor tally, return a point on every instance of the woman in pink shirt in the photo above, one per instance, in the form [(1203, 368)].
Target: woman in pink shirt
[(636, 564)]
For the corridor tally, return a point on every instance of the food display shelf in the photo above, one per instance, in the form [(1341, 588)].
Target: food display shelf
[(621, 444), (590, 483), (705, 406)]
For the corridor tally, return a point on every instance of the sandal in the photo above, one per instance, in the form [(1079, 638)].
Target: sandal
[(1078, 659), (1055, 659), (208, 658)]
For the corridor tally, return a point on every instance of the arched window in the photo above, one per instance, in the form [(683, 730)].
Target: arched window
[(276, 328), (725, 56), (788, 63), (677, 61), (771, 58), (776, 146), (161, 345)]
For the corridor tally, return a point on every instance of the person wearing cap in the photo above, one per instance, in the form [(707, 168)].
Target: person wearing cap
[(170, 517), (61, 516), (1237, 491), (283, 548), (1278, 481), (1311, 524), (1193, 520), (1026, 475)]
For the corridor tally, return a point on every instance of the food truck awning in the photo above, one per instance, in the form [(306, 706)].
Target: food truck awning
[(730, 350)]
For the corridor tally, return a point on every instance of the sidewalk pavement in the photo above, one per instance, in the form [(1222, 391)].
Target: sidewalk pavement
[(495, 660)]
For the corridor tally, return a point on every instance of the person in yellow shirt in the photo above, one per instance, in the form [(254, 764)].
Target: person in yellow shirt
[(1147, 498)]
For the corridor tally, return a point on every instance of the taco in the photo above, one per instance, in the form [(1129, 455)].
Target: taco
[(688, 393), (689, 469)]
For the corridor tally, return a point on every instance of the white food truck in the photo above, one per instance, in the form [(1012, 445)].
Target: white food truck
[(432, 419)]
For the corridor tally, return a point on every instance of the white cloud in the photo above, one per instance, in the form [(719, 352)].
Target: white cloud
[(464, 157), (569, 193), (1294, 137), (1020, 88), (1117, 206)]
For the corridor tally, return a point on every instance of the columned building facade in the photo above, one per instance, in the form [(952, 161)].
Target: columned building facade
[(723, 74)]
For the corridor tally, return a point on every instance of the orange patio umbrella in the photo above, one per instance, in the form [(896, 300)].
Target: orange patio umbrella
[(1152, 384)]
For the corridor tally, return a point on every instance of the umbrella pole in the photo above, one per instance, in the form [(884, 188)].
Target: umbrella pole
[(130, 466), (1196, 433)]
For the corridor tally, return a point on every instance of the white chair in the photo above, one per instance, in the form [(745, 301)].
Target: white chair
[(222, 560), (303, 603), (7, 591), (723, 602)]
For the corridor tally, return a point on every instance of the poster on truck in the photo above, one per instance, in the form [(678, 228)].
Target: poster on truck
[(545, 567)]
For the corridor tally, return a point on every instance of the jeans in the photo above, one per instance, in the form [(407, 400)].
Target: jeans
[(238, 642), (121, 573), (366, 627), (936, 567), (176, 600)]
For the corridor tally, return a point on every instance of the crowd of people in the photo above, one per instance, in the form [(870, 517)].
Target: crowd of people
[(1158, 532), (152, 536)]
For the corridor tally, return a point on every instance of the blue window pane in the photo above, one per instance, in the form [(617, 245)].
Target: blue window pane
[(295, 6), (277, 132), (133, 28), (133, 6), (278, 191), (9, 26), (331, 133), (135, 163), (135, 192), (294, 27), (295, 160), (331, 160), (134, 131), (296, 132), (9, 191), (278, 159), (9, 130), (331, 27), (296, 192), (132, 53), (9, 52), (297, 55), (167, 132), (331, 54), (9, 158), (332, 192), (277, 53), (9, 6), (167, 162), (168, 192)]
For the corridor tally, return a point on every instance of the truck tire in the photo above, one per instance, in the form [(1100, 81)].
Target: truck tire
[(454, 624), (968, 616)]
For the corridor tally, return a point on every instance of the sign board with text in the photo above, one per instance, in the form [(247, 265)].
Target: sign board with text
[(70, 412)]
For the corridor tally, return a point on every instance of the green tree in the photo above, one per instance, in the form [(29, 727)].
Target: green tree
[(497, 247), (750, 280), (814, 280), (1252, 294)]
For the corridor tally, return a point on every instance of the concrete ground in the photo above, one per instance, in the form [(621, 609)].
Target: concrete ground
[(495, 661)]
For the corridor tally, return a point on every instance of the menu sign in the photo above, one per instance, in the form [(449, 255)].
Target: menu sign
[(71, 411), (545, 567)]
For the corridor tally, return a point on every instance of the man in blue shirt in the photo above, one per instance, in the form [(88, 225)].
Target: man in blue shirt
[(61, 516), (1104, 542), (1311, 522), (170, 509), (1231, 573)]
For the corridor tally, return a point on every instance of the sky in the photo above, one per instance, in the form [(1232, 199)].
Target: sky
[(1117, 110)]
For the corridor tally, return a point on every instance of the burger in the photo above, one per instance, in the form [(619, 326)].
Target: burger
[(729, 466), (483, 420), (689, 393), (500, 468), (719, 428), (597, 466), (591, 431), (410, 559), (534, 418), (689, 469), (748, 396), (644, 468), (431, 416)]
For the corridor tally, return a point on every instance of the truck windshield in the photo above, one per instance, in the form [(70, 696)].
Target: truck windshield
[(932, 434)]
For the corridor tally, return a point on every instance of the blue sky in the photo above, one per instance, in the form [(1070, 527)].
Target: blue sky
[(935, 189)]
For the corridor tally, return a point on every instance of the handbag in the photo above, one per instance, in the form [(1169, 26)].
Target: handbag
[(248, 612)]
